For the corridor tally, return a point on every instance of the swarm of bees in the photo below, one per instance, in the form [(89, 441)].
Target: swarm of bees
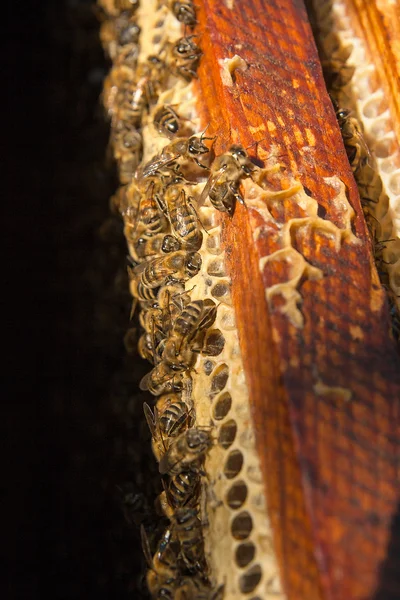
[(164, 235)]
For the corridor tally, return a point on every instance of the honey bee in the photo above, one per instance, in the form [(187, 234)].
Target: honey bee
[(184, 11), (127, 30), (186, 452), (127, 142), (186, 148), (166, 121), (188, 529), (155, 245), (134, 102), (182, 489), (178, 356), (145, 347), (227, 171), (119, 82), (167, 424), (162, 380), (140, 291), (177, 266), (195, 317), (148, 220), (183, 58), (354, 143), (182, 217), (163, 569)]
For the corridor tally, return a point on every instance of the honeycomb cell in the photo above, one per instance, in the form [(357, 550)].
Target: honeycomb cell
[(222, 406), (250, 580), (227, 434), (244, 554), (394, 183), (221, 291), (214, 343), (380, 128), (375, 107), (219, 378), (208, 367), (213, 244), (228, 320), (237, 495), (242, 526), (233, 464), (385, 148), (216, 268)]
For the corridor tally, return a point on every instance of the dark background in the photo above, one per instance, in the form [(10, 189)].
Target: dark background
[(71, 416)]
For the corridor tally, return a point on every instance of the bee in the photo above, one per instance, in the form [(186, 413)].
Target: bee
[(167, 424), (162, 380), (354, 143), (127, 142), (163, 569), (145, 93), (188, 529), (186, 452), (178, 356), (149, 220), (140, 291), (185, 148), (182, 216), (145, 347), (127, 30), (184, 11), (119, 82), (227, 171), (195, 317), (166, 121), (176, 266), (183, 58), (156, 245), (182, 489)]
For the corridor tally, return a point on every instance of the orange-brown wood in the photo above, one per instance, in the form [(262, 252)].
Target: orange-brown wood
[(330, 465)]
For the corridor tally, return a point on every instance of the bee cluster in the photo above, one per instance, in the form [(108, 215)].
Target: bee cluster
[(159, 202)]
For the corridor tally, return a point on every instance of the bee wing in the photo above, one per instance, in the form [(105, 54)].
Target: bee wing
[(151, 419), (210, 184), (179, 422), (158, 163), (146, 547)]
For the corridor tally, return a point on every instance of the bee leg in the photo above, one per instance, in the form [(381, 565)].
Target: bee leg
[(201, 164), (237, 195)]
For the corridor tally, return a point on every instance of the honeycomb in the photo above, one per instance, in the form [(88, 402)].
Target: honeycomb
[(363, 93), (236, 529)]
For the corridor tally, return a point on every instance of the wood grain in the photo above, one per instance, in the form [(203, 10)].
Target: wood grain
[(330, 465)]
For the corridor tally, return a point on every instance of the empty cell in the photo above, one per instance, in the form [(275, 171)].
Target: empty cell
[(218, 379), (242, 526), (222, 406), (394, 183), (374, 107), (214, 343), (244, 554), (216, 268), (208, 367), (385, 148), (233, 464), (213, 244), (237, 495), (250, 580), (227, 434), (222, 292), (228, 320)]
